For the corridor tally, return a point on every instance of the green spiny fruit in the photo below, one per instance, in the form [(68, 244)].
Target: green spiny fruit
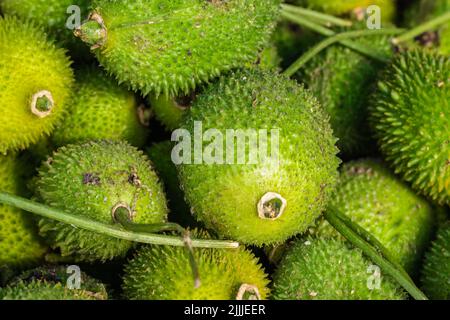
[(241, 190), (342, 80), (53, 283), (436, 270), (91, 180), (327, 269), (160, 155), (54, 17), (164, 273), (35, 85), (344, 7), (101, 110), (410, 116), (20, 245), (168, 110), (374, 198), (425, 10), (170, 46)]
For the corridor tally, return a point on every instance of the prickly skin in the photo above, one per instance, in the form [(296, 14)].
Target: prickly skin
[(90, 180), (225, 196), (410, 118), (328, 269), (169, 47), (100, 110), (39, 66), (372, 196), (164, 273)]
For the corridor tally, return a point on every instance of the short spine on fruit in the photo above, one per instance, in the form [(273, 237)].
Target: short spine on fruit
[(164, 273), (410, 117), (169, 47), (279, 194), (35, 85), (102, 110), (436, 269), (89, 180), (328, 269)]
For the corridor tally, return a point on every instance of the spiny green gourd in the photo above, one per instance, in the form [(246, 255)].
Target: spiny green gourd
[(328, 269), (342, 81), (345, 7), (20, 245), (267, 166), (35, 85), (425, 10), (169, 110), (53, 283), (91, 180), (370, 195), (101, 109), (58, 17), (436, 270), (410, 116), (160, 155), (170, 46), (164, 273)]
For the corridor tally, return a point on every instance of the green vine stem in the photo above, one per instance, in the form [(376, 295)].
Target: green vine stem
[(376, 253), (319, 17), (110, 230), (427, 26), (364, 234), (365, 50), (121, 215), (300, 62)]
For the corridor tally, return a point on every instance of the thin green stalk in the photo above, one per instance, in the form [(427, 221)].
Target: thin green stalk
[(307, 23), (427, 26), (300, 62), (374, 254), (121, 215), (110, 230), (369, 238), (365, 50), (320, 17)]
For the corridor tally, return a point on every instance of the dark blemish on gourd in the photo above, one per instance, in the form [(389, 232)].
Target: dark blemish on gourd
[(91, 179), (133, 178), (254, 98), (428, 39)]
